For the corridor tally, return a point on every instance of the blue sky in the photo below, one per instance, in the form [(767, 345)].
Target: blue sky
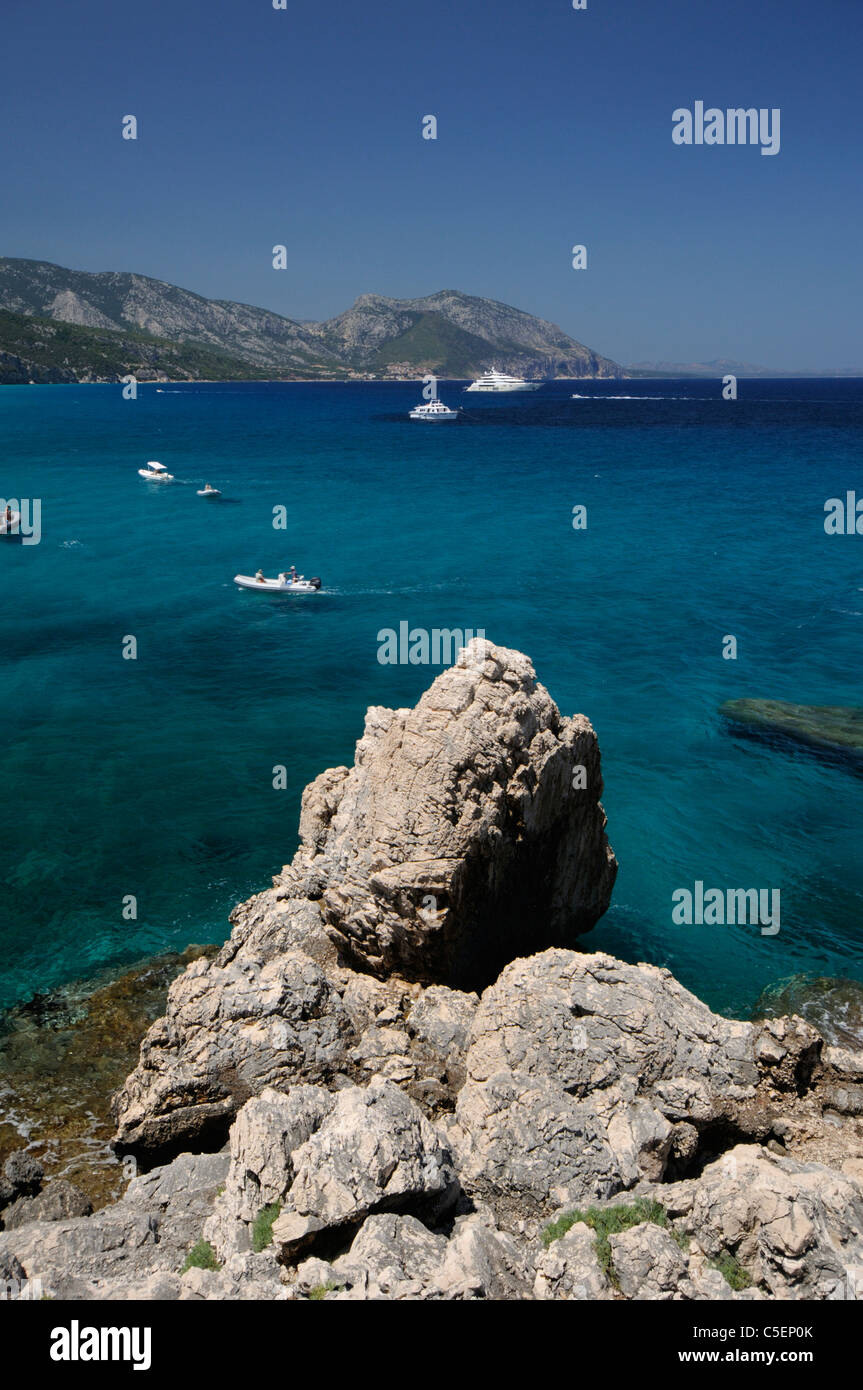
[(302, 127)]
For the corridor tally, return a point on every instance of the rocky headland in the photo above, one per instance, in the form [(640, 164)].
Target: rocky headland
[(72, 325), (401, 1078)]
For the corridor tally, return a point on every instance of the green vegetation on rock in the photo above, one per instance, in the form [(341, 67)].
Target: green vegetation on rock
[(48, 351), (607, 1221), (732, 1271), (262, 1229), (201, 1256), (321, 1290)]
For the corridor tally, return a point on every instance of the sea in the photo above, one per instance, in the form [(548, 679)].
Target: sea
[(151, 784)]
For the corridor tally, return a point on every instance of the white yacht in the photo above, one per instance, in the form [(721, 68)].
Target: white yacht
[(156, 472), (433, 410), (501, 381)]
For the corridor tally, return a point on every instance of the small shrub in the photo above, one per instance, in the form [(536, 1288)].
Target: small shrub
[(555, 1229), (321, 1290), (201, 1256), (606, 1221), (262, 1230), (732, 1271)]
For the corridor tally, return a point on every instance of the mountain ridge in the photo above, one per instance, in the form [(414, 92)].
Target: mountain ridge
[(720, 366), (449, 333)]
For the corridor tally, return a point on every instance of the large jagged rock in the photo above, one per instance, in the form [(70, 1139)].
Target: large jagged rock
[(374, 1151), (581, 1072), (133, 1249), (569, 1269), (458, 839), (468, 830), (401, 1138), (589, 1082), (327, 1162), (796, 1228), (59, 1200), (398, 1258)]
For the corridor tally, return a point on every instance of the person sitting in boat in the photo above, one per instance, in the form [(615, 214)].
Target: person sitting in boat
[(260, 577), (293, 574), (8, 513)]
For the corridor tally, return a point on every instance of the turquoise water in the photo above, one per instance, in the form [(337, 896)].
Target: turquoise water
[(154, 777)]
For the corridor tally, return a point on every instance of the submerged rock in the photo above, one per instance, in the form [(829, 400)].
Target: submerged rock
[(836, 730), (832, 1005), (62, 1055)]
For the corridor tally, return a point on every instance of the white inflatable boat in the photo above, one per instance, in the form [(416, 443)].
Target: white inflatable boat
[(283, 585), (157, 473), (209, 491)]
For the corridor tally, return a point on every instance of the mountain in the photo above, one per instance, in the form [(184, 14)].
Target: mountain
[(459, 335), (123, 301), (722, 366), (49, 351), (450, 333)]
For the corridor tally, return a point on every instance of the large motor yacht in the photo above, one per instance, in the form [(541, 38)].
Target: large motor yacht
[(501, 381)]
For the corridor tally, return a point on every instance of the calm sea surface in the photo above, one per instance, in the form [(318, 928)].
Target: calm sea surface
[(154, 777)]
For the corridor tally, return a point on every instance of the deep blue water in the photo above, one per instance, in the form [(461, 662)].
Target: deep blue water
[(154, 777)]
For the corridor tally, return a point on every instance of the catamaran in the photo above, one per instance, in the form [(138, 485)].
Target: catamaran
[(501, 381)]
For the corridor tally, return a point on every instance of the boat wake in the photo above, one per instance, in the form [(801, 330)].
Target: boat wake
[(577, 397)]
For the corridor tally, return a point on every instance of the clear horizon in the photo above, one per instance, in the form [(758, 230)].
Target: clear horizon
[(303, 127)]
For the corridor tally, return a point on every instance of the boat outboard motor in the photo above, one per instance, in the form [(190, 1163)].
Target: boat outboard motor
[(315, 583)]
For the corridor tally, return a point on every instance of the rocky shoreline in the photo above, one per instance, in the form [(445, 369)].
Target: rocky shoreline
[(62, 1054), (401, 1079)]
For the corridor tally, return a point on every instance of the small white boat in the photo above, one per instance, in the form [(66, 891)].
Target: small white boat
[(157, 473), (284, 584), (9, 525), (501, 381), (433, 410), (209, 491)]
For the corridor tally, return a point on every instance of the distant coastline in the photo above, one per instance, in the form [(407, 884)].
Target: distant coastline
[(59, 325), (766, 375)]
